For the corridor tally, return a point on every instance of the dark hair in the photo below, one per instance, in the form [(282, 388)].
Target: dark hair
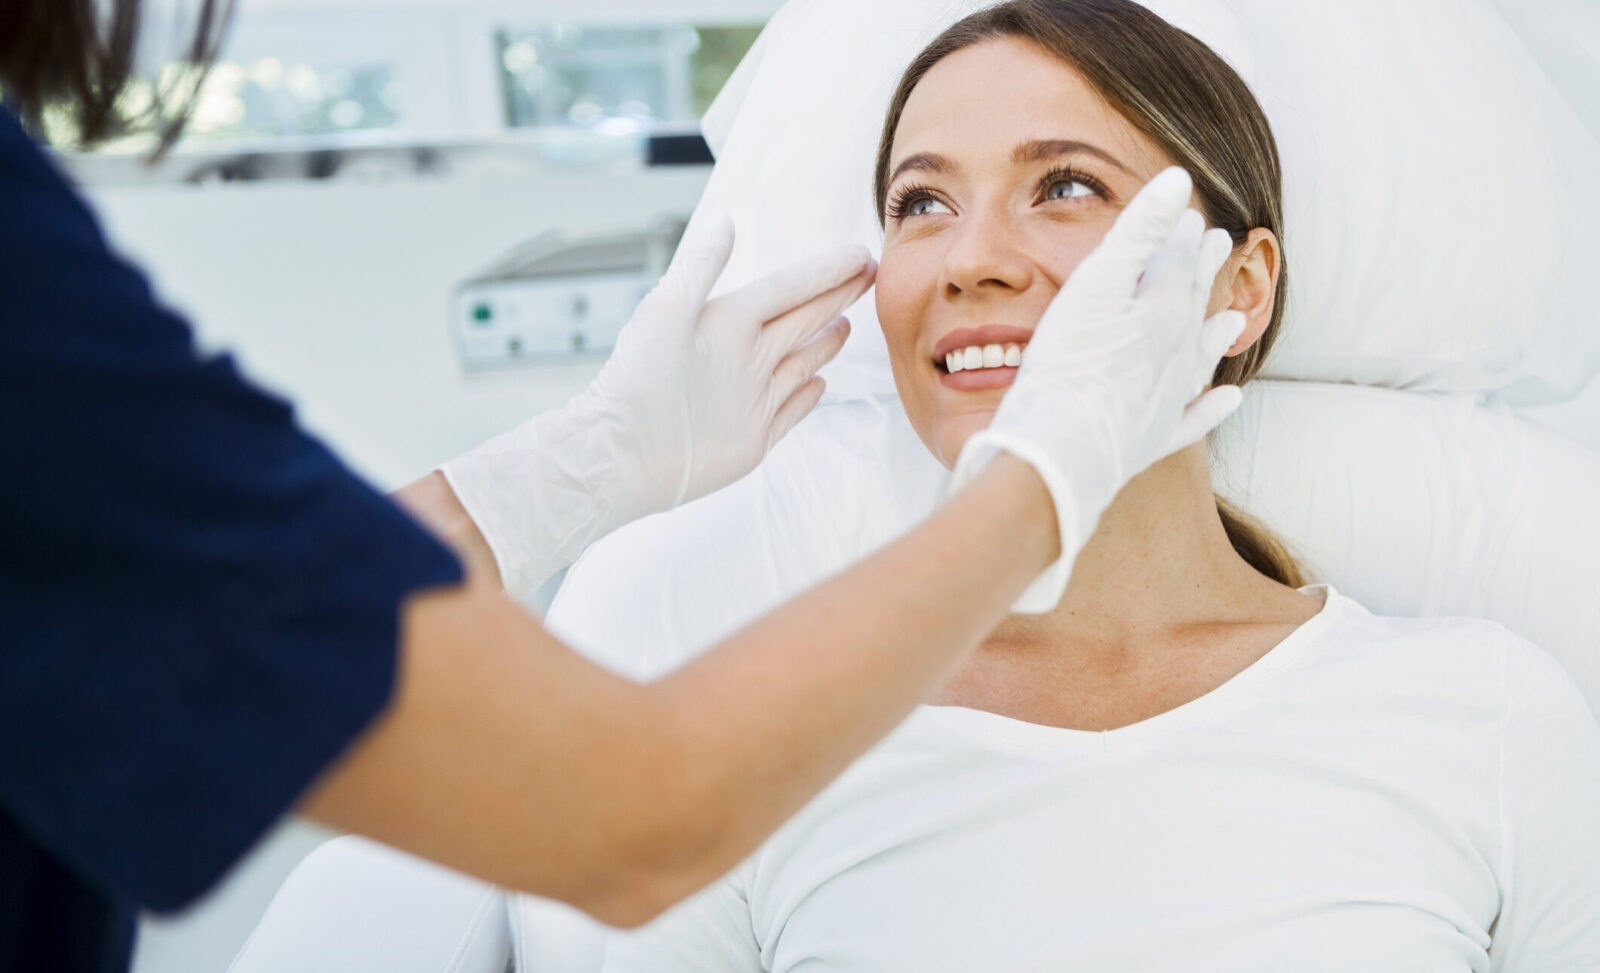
[(1180, 94), (65, 55)]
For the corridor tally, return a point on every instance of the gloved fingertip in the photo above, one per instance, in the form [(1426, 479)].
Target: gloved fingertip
[(1170, 189), (1205, 414), (1229, 327), (799, 405), (1191, 225), (1215, 248), (1146, 224), (828, 343), (848, 263), (1225, 327), (715, 235), (1222, 402), (699, 261)]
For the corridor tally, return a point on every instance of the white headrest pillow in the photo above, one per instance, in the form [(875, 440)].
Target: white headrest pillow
[(1442, 224)]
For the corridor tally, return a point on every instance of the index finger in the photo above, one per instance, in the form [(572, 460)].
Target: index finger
[(796, 327), (789, 287)]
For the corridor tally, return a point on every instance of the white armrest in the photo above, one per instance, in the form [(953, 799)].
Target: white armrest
[(354, 904), (550, 937)]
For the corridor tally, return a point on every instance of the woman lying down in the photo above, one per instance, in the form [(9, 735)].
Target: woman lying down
[(1195, 761)]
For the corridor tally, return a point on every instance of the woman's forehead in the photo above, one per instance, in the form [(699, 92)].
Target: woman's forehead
[(980, 105)]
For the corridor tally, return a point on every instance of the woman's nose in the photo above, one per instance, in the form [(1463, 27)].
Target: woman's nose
[(986, 255)]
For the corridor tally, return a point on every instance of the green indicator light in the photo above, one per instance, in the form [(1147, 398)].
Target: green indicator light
[(482, 313)]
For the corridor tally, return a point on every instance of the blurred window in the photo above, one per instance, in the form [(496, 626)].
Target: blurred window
[(599, 76), (267, 97), (303, 86)]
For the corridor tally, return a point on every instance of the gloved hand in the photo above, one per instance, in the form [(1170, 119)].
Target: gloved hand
[(1112, 379), (691, 399)]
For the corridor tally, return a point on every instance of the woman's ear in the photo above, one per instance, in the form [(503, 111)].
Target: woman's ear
[(1248, 282)]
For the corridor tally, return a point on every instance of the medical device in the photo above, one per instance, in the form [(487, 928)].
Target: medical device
[(559, 296)]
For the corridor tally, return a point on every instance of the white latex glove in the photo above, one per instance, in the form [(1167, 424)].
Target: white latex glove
[(691, 399), (1112, 379)]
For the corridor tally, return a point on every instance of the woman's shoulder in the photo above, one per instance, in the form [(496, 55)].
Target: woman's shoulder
[(1428, 652), (1369, 624)]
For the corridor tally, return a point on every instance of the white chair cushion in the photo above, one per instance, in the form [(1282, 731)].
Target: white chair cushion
[(354, 904)]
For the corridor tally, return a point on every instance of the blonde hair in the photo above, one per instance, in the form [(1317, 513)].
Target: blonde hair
[(1181, 95)]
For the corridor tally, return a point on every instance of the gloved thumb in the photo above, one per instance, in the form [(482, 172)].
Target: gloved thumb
[(701, 257)]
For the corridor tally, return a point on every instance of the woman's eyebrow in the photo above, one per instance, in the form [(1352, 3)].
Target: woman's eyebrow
[(1043, 150), (922, 162), (1033, 151)]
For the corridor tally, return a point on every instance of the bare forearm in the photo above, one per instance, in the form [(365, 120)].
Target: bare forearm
[(431, 501), (506, 755), (786, 704)]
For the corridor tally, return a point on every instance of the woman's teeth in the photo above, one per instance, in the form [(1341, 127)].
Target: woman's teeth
[(983, 356)]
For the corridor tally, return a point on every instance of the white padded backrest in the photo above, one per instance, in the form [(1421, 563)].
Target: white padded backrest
[(1427, 504), (1440, 205)]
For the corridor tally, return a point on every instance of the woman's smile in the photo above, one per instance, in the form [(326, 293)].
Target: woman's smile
[(980, 359)]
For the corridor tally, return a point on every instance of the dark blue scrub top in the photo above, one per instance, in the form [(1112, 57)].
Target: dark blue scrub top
[(198, 602)]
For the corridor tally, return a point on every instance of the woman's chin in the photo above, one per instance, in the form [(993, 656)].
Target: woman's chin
[(955, 431)]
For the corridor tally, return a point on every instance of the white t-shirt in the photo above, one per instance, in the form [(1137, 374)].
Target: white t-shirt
[(1373, 794)]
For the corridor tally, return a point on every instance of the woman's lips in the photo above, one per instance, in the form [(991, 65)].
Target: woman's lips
[(989, 334), (978, 380)]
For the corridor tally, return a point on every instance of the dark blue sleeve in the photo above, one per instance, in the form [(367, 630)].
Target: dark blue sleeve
[(198, 602)]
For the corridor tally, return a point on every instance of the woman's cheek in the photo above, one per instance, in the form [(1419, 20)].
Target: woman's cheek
[(903, 297), (1061, 246), (899, 311)]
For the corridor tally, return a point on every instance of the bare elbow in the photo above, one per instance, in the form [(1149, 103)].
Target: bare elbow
[(667, 844), (627, 908), (655, 874)]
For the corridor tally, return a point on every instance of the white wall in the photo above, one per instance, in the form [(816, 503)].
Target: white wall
[(336, 295)]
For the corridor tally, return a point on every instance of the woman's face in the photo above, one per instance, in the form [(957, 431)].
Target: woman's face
[(1006, 171)]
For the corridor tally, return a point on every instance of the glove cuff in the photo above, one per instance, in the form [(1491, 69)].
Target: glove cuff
[(1076, 516), (543, 492)]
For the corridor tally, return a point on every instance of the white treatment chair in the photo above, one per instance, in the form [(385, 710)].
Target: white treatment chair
[(1441, 235)]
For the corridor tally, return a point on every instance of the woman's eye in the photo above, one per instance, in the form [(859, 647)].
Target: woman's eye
[(1067, 189), (924, 205)]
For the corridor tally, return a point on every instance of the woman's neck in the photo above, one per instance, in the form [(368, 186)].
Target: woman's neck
[(1159, 567)]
